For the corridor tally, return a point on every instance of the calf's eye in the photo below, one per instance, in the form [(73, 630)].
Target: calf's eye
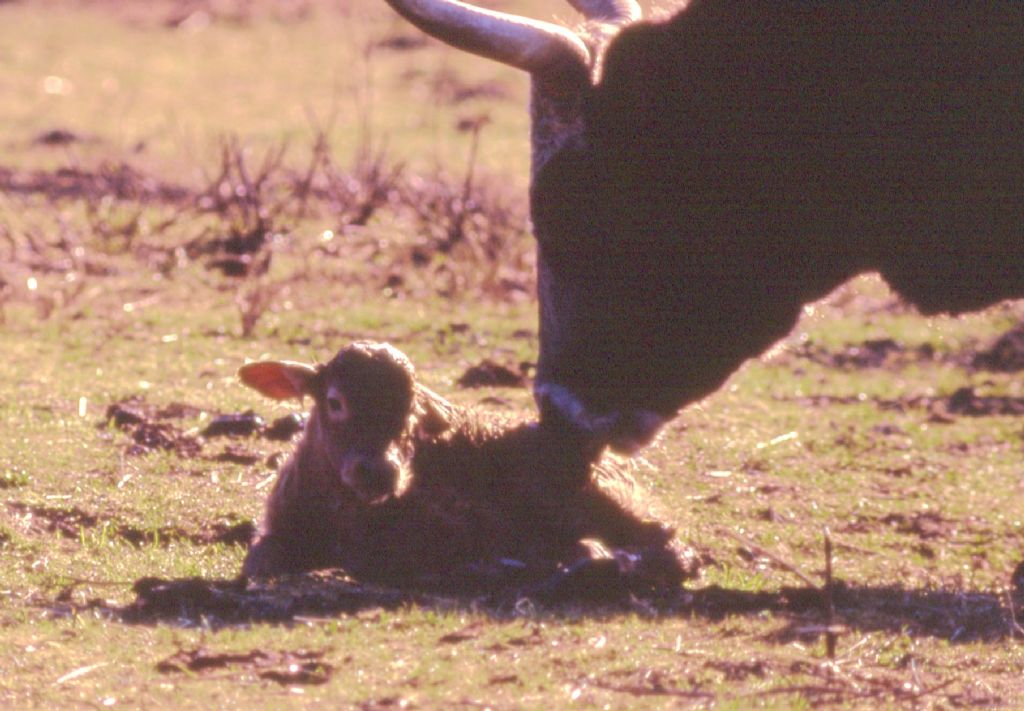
[(337, 408)]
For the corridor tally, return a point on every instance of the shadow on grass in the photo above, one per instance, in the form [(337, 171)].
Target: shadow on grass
[(956, 616)]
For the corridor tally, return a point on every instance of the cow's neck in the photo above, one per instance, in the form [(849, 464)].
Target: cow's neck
[(556, 122)]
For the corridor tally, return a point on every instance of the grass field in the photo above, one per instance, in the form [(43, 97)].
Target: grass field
[(184, 186)]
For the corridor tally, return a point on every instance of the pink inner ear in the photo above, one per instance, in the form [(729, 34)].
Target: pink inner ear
[(271, 379)]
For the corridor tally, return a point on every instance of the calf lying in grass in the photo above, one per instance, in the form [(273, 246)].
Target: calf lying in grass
[(394, 484)]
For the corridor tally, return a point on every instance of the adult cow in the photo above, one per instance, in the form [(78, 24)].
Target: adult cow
[(696, 181)]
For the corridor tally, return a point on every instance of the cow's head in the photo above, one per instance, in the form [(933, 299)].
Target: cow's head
[(587, 379)]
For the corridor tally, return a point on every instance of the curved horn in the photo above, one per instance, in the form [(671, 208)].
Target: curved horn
[(615, 12), (534, 46)]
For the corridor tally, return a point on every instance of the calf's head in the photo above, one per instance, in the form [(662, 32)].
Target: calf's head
[(362, 400)]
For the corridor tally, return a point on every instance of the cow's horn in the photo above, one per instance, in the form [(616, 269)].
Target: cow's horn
[(541, 48)]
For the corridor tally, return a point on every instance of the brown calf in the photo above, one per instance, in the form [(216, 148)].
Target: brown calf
[(395, 484)]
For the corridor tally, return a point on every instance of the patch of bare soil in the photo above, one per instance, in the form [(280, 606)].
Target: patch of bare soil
[(61, 137), (242, 424), (926, 525), (118, 180), (488, 373), (152, 427), (249, 424), (966, 402), (287, 668), (239, 533), (1005, 355), (148, 436), (872, 353), (962, 402), (71, 521)]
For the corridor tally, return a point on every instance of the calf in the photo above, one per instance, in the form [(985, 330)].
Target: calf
[(395, 484)]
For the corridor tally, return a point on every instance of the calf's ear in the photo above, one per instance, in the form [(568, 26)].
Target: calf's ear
[(434, 414), (279, 379)]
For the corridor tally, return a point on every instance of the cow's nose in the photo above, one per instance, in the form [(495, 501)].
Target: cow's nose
[(625, 430), (633, 430)]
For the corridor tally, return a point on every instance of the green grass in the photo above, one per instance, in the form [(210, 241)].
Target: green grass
[(926, 509)]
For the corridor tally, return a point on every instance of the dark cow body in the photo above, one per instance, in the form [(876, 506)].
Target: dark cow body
[(697, 181)]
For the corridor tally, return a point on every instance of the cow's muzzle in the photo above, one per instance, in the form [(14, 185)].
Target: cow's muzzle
[(625, 430)]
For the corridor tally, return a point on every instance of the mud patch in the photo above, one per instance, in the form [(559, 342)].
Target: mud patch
[(248, 423), (234, 454), (872, 353), (962, 402), (71, 522), (227, 533), (927, 525), (491, 374), (117, 180), (242, 424), (134, 410), (152, 428), (1005, 355), (966, 402), (288, 668), (60, 137), (149, 436)]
